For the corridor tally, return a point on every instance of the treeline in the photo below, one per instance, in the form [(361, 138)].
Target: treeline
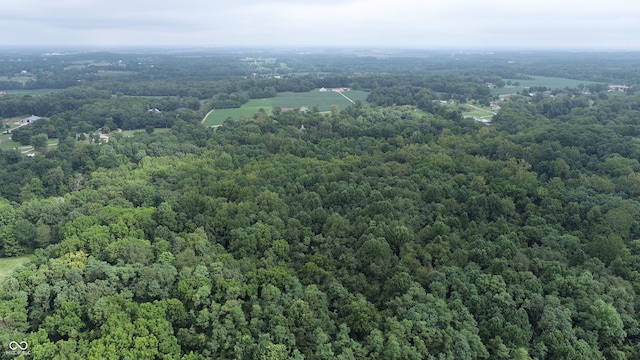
[(422, 91), (176, 74), (205, 89), (603, 67), (63, 70), (86, 115), (369, 232), (98, 105), (50, 104)]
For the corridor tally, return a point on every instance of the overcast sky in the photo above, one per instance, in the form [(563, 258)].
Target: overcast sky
[(460, 24)]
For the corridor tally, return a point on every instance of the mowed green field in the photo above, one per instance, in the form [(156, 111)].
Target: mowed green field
[(6, 142), (129, 133), (8, 265), (253, 106), (469, 110), (292, 100), (324, 99), (32, 92), (549, 82), (5, 139)]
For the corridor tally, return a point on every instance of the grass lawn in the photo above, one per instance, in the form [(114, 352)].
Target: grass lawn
[(505, 91), (5, 139), (469, 110), (6, 142), (8, 265)]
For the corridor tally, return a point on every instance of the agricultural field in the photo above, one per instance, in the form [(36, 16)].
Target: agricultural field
[(549, 82), (292, 100), (218, 116), (324, 100), (31, 92), (109, 73), (81, 64)]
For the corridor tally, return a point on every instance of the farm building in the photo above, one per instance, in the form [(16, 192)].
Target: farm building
[(30, 119), (620, 88)]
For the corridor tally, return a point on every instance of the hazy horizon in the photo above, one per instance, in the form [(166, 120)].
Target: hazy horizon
[(457, 24)]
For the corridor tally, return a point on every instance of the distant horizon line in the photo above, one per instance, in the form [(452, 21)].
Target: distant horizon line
[(448, 49)]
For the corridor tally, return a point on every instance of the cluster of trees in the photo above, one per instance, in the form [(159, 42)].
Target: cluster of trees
[(50, 104), (370, 232), (421, 91), (63, 70), (84, 110), (183, 73)]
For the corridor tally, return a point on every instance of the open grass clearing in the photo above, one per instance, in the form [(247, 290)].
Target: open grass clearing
[(9, 265), (108, 73), (13, 122), (129, 133), (92, 62), (5, 139), (32, 92), (469, 110), (508, 90), (6, 142), (323, 99), (253, 106), (287, 100), (81, 64), (18, 78)]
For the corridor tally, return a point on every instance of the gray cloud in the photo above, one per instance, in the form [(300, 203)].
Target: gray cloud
[(403, 23)]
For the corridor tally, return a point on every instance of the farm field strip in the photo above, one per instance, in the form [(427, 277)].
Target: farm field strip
[(32, 92), (287, 100)]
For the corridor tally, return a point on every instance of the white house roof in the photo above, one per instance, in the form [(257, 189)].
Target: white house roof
[(32, 118)]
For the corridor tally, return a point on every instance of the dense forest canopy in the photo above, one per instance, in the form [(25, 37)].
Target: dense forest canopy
[(396, 229)]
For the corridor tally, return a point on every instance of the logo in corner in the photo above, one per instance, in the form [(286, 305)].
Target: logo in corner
[(18, 348)]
